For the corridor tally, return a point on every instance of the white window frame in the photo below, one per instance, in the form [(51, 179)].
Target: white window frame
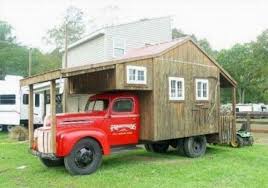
[(176, 97), (137, 68), (115, 47), (201, 98)]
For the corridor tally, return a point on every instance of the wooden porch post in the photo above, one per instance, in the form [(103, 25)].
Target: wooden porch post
[(53, 114), (65, 95), (30, 115), (234, 115)]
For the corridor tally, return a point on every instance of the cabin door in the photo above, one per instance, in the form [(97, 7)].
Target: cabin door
[(205, 106)]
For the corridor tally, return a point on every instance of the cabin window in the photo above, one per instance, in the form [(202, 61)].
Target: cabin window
[(7, 99), (136, 75), (176, 88), (25, 99), (119, 47), (201, 86), (123, 105)]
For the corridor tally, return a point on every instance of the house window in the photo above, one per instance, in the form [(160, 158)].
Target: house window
[(136, 75), (119, 47), (176, 88), (201, 87)]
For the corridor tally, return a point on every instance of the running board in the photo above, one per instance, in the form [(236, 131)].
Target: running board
[(124, 149)]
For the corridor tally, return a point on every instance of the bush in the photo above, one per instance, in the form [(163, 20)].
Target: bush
[(19, 133)]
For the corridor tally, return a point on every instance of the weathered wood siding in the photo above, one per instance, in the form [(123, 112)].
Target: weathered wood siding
[(147, 115), (93, 82), (175, 119), (144, 92), (121, 75), (188, 52)]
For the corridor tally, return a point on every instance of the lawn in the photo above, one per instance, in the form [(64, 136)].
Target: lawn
[(220, 167)]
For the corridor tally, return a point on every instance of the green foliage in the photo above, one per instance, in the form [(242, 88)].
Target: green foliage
[(6, 32), (73, 19), (14, 60), (248, 64)]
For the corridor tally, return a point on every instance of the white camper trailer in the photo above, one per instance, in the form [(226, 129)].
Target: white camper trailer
[(252, 107), (13, 104)]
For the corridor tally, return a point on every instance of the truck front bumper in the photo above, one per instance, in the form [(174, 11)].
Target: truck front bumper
[(50, 156)]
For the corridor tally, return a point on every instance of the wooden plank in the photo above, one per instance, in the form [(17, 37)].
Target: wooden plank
[(66, 91), (30, 115), (53, 114), (253, 122), (89, 69), (52, 75)]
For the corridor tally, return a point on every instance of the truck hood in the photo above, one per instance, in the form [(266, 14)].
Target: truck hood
[(76, 119)]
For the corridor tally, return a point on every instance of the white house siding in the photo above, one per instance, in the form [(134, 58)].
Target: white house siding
[(87, 53), (137, 34)]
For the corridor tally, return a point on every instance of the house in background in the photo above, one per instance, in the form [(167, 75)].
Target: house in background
[(113, 42), (110, 43)]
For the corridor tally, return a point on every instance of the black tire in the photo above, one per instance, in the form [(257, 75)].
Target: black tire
[(52, 163), (180, 147), (85, 158), (240, 141), (195, 146), (159, 147), (1, 128), (147, 147)]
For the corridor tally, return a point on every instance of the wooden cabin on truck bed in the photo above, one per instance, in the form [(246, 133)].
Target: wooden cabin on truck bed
[(177, 84)]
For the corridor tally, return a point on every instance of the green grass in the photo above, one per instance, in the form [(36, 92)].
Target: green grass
[(220, 167)]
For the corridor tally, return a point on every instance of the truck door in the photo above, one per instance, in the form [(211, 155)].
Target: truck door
[(124, 122)]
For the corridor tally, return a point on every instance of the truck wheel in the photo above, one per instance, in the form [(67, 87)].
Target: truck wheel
[(159, 147), (1, 128), (85, 158), (147, 147), (180, 146), (52, 163), (195, 146)]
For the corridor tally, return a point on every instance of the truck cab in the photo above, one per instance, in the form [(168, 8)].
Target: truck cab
[(109, 120)]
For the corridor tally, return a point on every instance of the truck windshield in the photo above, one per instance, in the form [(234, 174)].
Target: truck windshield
[(97, 105)]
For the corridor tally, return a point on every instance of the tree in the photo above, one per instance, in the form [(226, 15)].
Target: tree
[(6, 32), (75, 28), (241, 63), (14, 57)]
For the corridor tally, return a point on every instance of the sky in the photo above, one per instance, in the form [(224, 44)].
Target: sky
[(222, 22)]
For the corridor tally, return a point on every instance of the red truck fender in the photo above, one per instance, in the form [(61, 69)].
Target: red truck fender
[(67, 140)]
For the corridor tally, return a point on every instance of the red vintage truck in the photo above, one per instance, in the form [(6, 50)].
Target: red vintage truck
[(110, 120), (162, 95)]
